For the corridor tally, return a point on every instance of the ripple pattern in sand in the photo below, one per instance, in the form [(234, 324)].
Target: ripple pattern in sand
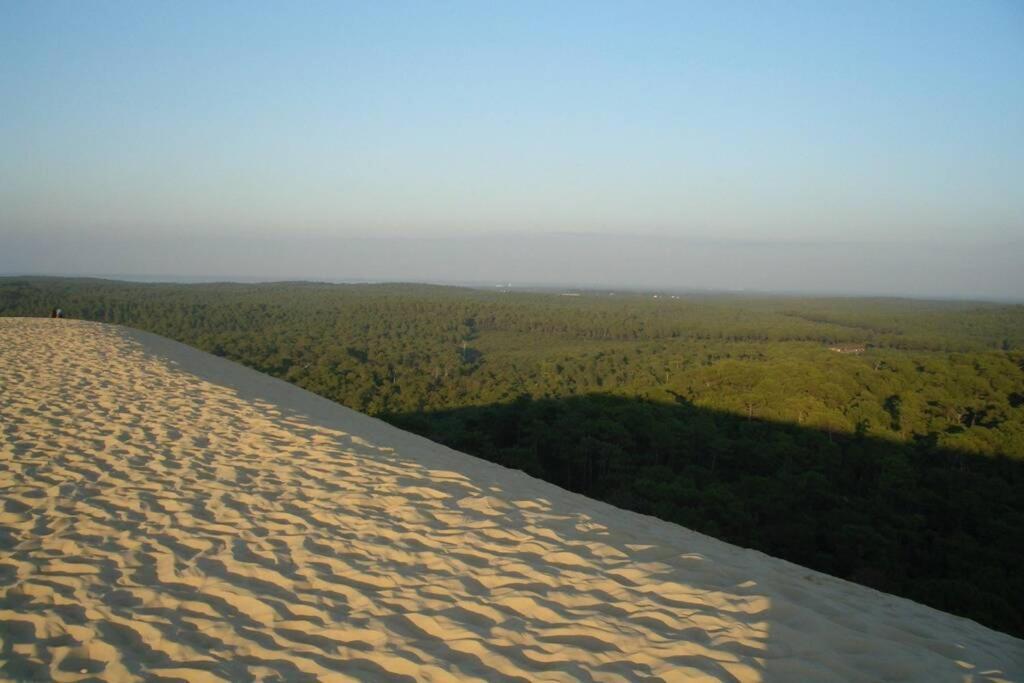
[(157, 525)]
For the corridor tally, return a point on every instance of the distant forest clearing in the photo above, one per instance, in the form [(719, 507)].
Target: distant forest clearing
[(878, 440)]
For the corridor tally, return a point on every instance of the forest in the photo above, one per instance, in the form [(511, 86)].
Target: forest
[(878, 440)]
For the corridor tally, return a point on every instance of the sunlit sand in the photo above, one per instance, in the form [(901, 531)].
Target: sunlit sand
[(171, 514)]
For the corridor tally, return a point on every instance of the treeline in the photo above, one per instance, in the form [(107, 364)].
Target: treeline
[(897, 466)]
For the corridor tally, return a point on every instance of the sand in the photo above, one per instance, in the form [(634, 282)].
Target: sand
[(171, 515)]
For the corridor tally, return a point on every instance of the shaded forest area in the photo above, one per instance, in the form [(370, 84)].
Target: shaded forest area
[(896, 461)]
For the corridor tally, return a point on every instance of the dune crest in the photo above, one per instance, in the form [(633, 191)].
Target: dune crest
[(169, 514)]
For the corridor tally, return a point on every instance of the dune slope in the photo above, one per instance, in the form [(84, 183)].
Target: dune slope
[(169, 514)]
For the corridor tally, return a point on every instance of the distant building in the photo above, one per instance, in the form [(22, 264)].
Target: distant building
[(847, 348)]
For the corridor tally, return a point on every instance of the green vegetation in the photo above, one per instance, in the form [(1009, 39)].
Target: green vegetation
[(899, 467)]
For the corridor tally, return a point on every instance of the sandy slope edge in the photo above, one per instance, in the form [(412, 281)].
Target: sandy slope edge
[(172, 514)]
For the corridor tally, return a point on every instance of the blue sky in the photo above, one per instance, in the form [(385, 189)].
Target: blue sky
[(767, 122)]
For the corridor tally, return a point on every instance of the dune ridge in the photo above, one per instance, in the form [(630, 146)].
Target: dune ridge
[(171, 515)]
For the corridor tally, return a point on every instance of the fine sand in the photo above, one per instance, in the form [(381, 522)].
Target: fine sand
[(171, 515)]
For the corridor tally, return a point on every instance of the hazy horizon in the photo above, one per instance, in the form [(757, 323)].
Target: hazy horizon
[(850, 148), (950, 271)]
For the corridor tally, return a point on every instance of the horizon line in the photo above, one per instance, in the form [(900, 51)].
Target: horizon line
[(507, 284)]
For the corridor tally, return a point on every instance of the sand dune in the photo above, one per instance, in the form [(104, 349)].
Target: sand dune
[(170, 515)]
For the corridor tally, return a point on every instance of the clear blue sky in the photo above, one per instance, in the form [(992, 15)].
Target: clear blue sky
[(774, 122)]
